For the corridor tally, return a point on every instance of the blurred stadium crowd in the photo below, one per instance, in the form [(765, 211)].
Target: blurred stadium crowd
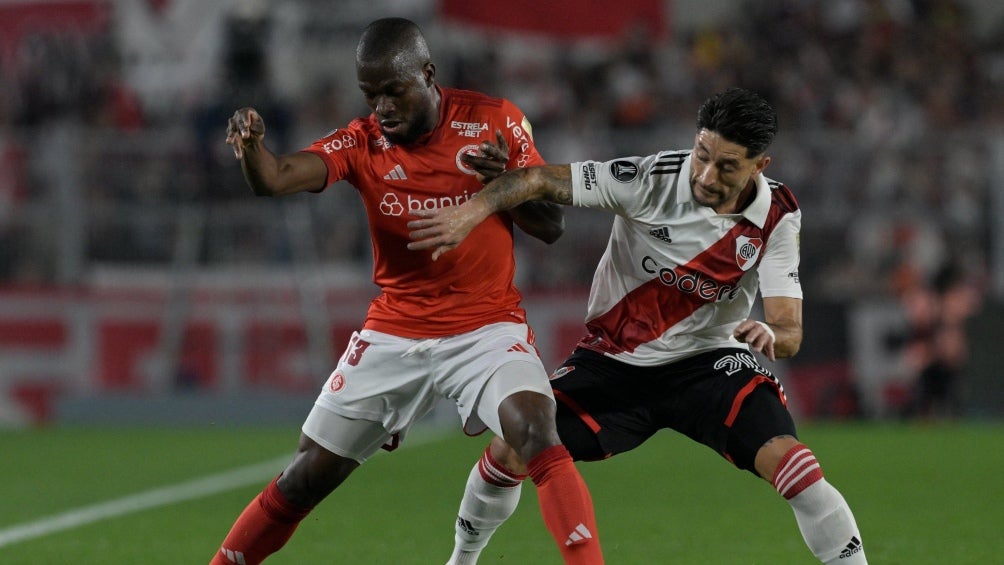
[(112, 119)]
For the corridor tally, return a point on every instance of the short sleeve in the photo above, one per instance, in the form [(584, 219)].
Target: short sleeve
[(619, 186), (519, 136), (778, 270), (338, 150)]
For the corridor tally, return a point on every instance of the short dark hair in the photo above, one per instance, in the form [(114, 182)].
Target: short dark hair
[(740, 116), (392, 37)]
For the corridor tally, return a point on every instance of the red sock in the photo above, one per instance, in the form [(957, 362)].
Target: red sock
[(261, 530), (566, 506)]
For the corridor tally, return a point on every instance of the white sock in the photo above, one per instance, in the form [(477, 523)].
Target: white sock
[(823, 516), (490, 497)]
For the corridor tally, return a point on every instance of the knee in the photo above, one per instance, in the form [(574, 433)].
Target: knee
[(532, 438), (770, 454), (506, 456), (795, 472), (528, 423)]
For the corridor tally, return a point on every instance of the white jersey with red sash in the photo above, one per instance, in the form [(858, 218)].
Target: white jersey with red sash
[(676, 277)]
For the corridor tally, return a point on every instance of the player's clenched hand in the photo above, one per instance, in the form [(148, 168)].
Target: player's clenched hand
[(490, 160), (443, 229), (758, 335), (244, 128)]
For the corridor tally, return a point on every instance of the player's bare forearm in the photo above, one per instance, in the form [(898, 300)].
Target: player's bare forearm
[(444, 229), (266, 173), (547, 182), (784, 316), (246, 135), (788, 340), (780, 336), (542, 220), (275, 175), (260, 168)]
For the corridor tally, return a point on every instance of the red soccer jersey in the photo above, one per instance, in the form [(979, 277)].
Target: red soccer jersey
[(471, 285)]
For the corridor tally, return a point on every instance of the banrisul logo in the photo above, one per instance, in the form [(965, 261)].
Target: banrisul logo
[(391, 205), (394, 204)]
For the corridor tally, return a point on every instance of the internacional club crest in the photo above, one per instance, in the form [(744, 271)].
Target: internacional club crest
[(747, 251)]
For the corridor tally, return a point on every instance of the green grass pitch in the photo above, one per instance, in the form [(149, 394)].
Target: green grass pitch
[(921, 494)]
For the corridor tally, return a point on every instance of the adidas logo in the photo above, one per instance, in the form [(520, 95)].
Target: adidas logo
[(233, 556), (517, 347), (853, 547), (397, 173), (661, 234), (466, 526), (579, 535)]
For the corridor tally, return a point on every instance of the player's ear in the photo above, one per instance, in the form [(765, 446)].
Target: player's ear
[(430, 73)]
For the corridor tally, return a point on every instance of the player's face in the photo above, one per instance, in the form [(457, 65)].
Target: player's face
[(404, 100), (721, 175)]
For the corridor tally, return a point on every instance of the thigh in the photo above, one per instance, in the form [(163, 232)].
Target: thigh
[(730, 403), (381, 378), (480, 369), (603, 406), (313, 473), (347, 437), (509, 379), (761, 417), (723, 399)]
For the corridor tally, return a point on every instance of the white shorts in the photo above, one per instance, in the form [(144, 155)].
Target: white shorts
[(383, 384)]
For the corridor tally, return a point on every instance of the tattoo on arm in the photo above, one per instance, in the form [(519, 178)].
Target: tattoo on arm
[(549, 182)]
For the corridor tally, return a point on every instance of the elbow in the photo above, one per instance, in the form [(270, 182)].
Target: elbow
[(788, 352), (551, 239), (554, 221), (554, 232), (541, 220), (259, 189), (789, 348)]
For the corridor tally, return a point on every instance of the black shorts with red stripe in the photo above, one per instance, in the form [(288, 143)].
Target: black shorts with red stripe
[(722, 398)]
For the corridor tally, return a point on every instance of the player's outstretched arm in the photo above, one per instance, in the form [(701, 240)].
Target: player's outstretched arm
[(266, 173), (784, 316), (542, 220), (444, 229)]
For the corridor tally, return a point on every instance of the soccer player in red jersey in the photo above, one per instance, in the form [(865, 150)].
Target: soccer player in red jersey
[(452, 328), (697, 234)]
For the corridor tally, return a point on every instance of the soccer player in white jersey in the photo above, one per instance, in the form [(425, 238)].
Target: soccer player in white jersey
[(697, 234)]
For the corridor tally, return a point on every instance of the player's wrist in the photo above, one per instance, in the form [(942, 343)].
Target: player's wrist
[(768, 329), (482, 208)]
